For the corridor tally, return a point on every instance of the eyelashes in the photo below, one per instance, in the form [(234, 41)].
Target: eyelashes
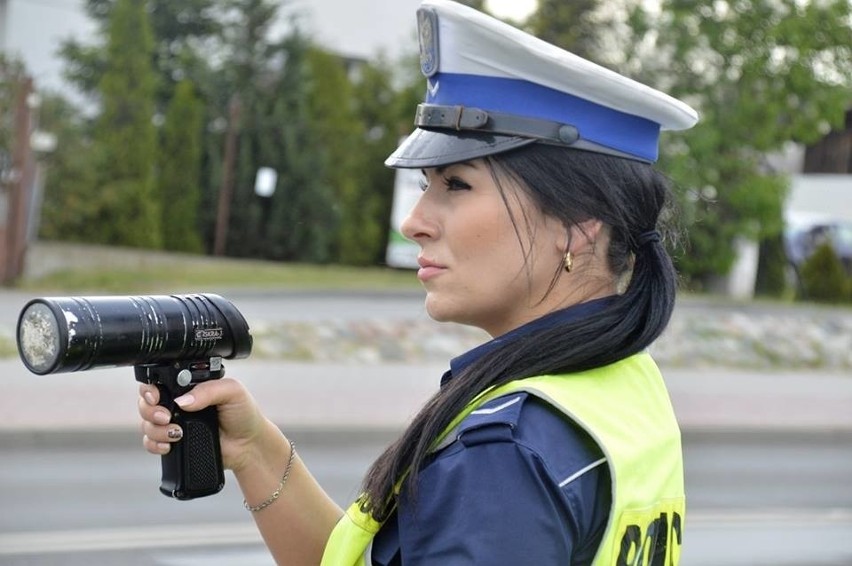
[(455, 184)]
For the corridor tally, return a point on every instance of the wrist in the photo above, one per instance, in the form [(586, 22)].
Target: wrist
[(273, 497), (265, 452)]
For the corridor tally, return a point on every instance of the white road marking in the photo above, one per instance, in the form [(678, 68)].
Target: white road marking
[(160, 536)]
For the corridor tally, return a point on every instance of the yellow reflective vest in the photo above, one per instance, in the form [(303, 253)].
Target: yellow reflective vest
[(623, 406)]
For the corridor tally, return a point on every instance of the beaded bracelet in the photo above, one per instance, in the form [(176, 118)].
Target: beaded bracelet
[(277, 493)]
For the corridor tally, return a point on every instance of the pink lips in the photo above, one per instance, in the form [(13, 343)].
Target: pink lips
[(428, 269)]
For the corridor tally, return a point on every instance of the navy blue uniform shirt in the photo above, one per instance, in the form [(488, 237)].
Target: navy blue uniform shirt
[(521, 484)]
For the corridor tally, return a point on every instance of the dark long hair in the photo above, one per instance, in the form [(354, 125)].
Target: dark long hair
[(571, 186)]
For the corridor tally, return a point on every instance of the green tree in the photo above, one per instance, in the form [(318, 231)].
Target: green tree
[(773, 268), (179, 171), (185, 33), (823, 276), (125, 138), (303, 215), (570, 25), (761, 73), (188, 39), (71, 203), (386, 97), (341, 138), (250, 74)]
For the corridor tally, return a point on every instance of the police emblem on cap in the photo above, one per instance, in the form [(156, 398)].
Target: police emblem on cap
[(427, 29)]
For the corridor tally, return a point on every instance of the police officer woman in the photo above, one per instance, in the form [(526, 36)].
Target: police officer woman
[(555, 442)]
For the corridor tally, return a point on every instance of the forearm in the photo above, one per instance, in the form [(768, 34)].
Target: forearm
[(297, 525)]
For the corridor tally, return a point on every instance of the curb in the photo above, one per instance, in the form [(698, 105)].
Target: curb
[(99, 439)]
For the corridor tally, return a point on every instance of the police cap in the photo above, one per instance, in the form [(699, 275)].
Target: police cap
[(491, 87)]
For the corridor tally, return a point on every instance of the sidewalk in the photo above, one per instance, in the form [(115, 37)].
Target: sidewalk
[(319, 396)]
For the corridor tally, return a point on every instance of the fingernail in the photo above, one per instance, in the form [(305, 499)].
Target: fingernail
[(175, 433), (185, 400), (161, 417), (150, 398)]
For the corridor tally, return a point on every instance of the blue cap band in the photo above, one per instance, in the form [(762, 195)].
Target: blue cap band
[(598, 124)]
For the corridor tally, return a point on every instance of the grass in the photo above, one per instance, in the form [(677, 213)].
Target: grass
[(201, 273)]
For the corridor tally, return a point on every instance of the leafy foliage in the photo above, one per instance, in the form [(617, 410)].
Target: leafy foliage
[(570, 25), (301, 218), (182, 32), (762, 73), (773, 268), (179, 171), (340, 136), (386, 113), (823, 277), (323, 122), (70, 208), (125, 139)]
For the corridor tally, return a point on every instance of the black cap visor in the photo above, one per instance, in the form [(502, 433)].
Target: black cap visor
[(436, 148)]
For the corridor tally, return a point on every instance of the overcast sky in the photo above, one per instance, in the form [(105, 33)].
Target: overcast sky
[(361, 28)]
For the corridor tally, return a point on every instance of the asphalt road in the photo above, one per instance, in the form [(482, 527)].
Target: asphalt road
[(755, 499)]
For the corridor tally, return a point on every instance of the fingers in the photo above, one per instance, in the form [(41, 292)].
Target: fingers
[(239, 416), (161, 448), (156, 428), (150, 393), (148, 408), (217, 392)]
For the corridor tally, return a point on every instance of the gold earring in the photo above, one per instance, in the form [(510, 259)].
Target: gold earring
[(569, 261)]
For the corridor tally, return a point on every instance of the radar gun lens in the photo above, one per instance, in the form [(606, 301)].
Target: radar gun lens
[(39, 338)]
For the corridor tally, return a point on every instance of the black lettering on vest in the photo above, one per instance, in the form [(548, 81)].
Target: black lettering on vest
[(676, 528), (630, 541), (651, 548), (676, 537), (659, 532)]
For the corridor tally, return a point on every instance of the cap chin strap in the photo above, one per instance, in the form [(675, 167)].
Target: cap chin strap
[(460, 118)]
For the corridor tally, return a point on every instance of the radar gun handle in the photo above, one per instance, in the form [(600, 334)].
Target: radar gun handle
[(193, 467)]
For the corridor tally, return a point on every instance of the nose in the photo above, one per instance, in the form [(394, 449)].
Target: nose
[(417, 225)]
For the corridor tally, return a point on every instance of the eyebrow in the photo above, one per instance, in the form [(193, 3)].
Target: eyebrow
[(442, 168)]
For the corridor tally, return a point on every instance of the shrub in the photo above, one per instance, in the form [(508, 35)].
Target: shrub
[(823, 276)]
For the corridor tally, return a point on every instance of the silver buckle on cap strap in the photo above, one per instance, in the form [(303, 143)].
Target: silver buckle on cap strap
[(455, 117)]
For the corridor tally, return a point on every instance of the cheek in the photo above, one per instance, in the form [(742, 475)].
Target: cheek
[(492, 259), (484, 249)]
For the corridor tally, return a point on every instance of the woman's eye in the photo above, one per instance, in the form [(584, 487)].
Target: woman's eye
[(455, 184), (423, 184)]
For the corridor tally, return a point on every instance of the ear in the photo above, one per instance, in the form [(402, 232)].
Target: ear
[(583, 235)]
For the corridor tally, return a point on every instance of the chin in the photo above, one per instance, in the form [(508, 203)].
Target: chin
[(438, 310), (449, 311)]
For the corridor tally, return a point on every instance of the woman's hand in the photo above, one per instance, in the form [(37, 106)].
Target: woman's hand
[(241, 423), (297, 525)]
